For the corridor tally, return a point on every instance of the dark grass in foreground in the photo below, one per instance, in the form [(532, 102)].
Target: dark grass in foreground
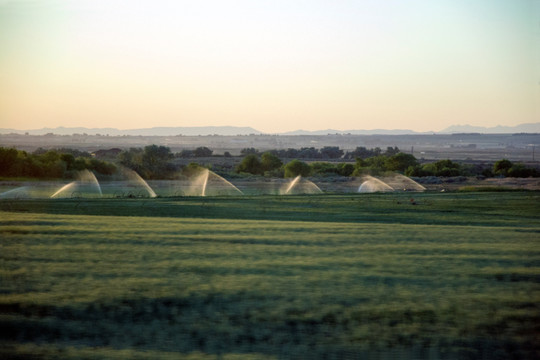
[(356, 276)]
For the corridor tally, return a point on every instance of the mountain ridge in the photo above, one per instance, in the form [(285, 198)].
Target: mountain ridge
[(499, 129), (236, 130), (153, 131)]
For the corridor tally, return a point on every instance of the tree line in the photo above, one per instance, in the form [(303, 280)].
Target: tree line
[(61, 163), (326, 152), (157, 162)]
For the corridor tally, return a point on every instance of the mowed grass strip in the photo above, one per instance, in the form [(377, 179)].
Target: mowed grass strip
[(282, 289), (488, 209)]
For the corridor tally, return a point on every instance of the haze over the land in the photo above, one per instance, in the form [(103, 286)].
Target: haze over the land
[(273, 66)]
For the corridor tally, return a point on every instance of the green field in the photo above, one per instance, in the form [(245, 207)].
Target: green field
[(443, 275)]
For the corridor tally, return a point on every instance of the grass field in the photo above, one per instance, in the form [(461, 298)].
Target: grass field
[(453, 275)]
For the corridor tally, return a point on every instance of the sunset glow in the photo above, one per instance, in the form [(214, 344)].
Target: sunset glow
[(272, 65)]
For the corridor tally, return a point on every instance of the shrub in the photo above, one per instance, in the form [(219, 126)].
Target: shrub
[(192, 169), (323, 168), (250, 164), (295, 168), (400, 162), (344, 169), (521, 171), (8, 158), (202, 151), (270, 162), (501, 167)]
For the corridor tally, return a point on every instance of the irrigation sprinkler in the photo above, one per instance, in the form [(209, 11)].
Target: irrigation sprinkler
[(76, 195)]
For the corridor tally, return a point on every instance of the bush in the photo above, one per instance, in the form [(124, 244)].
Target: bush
[(270, 162), (249, 151), (323, 168), (400, 162), (345, 169), (521, 171), (250, 164), (192, 169), (8, 158), (102, 167), (202, 151), (502, 167), (444, 168), (331, 152), (295, 168), (418, 171)]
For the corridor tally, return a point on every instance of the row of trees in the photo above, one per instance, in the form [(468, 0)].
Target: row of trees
[(270, 165), (448, 168), (156, 162), (327, 152), (49, 164), (152, 162)]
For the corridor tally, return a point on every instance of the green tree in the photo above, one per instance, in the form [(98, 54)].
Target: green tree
[(391, 151), (185, 154), (154, 161), (249, 151), (501, 167), (192, 169), (400, 162), (202, 151), (345, 169), (102, 167), (51, 164), (520, 170), (49, 157), (80, 163), (270, 162), (295, 168), (250, 164), (331, 152), (131, 158), (439, 168), (69, 159), (322, 168), (8, 158)]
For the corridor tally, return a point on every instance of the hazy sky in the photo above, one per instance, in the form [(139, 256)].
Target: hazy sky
[(273, 65)]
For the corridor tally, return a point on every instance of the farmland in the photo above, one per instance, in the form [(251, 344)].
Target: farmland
[(428, 275)]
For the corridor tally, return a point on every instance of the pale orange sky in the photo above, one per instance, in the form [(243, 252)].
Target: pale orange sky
[(275, 66)]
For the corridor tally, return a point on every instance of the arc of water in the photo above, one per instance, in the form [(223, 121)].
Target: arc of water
[(93, 179), (234, 187), (63, 188), (141, 181), (372, 184), (220, 178), (296, 179), (205, 183), (306, 186), (314, 186), (408, 181), (19, 192), (85, 177)]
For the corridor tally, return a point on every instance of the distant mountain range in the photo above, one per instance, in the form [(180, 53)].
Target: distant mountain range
[(522, 128), (353, 132), (154, 131), (234, 130)]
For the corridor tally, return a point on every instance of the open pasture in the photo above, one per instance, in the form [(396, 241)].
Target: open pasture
[(446, 275)]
